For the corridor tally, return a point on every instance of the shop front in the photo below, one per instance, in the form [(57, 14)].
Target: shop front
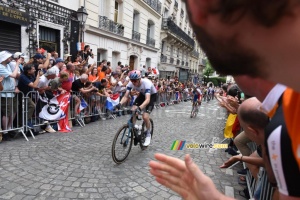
[(11, 20)]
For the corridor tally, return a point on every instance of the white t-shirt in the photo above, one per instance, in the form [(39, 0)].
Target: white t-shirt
[(44, 82), (145, 87), (56, 70)]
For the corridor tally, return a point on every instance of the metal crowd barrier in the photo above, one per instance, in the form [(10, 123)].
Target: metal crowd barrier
[(12, 109), (27, 118), (33, 105), (262, 181)]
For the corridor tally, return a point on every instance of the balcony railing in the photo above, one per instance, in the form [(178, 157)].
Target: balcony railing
[(163, 59), (169, 24), (176, 5), (155, 4), (178, 62), (150, 41), (111, 26), (171, 60), (195, 54), (136, 36)]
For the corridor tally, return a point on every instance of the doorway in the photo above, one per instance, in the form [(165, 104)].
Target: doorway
[(132, 62), (49, 39)]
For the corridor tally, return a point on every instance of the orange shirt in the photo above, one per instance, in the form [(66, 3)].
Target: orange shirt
[(101, 75), (291, 109), (92, 77)]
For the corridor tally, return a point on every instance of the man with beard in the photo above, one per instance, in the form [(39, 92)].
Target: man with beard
[(257, 38)]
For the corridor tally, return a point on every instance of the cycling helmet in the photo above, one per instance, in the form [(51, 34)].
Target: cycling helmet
[(134, 74)]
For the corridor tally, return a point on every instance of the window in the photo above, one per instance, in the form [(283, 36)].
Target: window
[(135, 21), (116, 15), (171, 53), (166, 13), (150, 29)]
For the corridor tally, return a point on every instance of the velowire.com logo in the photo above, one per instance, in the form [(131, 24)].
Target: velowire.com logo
[(180, 144)]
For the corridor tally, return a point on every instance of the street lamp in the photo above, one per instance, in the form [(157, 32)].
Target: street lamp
[(82, 16)]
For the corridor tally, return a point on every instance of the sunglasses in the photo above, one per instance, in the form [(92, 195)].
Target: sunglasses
[(134, 80)]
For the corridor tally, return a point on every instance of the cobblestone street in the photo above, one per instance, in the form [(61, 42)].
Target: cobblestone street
[(78, 165)]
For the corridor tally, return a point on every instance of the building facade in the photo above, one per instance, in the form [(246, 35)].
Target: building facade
[(180, 52), (30, 24), (124, 30)]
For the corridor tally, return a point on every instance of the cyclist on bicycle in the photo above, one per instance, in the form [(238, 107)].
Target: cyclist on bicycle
[(197, 96), (144, 102)]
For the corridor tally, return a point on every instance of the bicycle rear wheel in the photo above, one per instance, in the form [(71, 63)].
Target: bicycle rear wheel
[(143, 136), (196, 110), (193, 112), (122, 144)]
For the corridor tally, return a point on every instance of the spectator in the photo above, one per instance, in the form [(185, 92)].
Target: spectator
[(102, 73), (58, 65), (9, 103), (45, 79), (28, 83), (93, 76), (143, 70), (86, 52), (39, 63), (118, 68), (79, 86), (67, 83)]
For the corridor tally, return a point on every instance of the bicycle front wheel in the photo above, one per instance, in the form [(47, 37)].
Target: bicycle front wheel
[(122, 144)]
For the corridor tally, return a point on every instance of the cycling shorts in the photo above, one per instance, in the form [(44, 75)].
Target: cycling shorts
[(141, 98), (196, 98)]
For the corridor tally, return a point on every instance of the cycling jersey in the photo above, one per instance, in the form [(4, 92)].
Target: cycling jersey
[(281, 138), (145, 87), (197, 94)]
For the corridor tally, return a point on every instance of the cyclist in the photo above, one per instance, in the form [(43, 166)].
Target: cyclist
[(144, 102), (197, 96)]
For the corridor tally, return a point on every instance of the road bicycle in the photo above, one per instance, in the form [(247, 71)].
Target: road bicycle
[(195, 109), (126, 135)]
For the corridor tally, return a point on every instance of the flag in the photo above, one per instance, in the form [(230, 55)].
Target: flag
[(229, 125), (82, 105), (57, 109), (112, 101)]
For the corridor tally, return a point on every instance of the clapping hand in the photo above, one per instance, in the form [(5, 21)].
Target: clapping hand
[(184, 178)]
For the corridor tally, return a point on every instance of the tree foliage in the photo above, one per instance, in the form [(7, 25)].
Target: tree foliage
[(208, 70)]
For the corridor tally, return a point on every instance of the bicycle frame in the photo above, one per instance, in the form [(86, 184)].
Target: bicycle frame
[(130, 127)]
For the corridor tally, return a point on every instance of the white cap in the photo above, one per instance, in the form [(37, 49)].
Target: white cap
[(4, 55), (19, 54)]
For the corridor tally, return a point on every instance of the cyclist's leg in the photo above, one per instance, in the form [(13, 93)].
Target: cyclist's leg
[(146, 118)]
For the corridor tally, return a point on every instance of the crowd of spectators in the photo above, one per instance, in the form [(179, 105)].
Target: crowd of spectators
[(48, 75)]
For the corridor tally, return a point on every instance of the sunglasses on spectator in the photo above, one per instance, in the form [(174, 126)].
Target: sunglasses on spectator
[(134, 80)]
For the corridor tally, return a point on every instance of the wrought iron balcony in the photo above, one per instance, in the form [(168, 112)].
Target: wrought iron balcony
[(182, 63), (195, 54), (150, 41), (178, 61), (176, 5), (136, 36), (182, 13), (155, 4), (169, 24), (163, 59), (171, 60), (111, 26)]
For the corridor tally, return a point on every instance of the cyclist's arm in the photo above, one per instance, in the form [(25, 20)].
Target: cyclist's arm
[(125, 97), (146, 102)]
